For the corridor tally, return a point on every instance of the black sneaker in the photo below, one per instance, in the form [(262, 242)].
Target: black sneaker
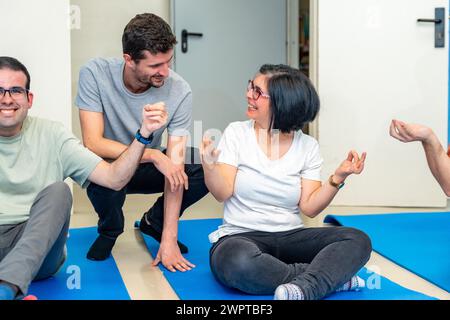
[(148, 229)]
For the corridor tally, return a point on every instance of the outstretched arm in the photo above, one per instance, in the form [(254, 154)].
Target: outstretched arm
[(437, 158)]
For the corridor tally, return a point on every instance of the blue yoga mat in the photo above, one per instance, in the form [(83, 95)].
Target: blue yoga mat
[(419, 242), (200, 284), (80, 278)]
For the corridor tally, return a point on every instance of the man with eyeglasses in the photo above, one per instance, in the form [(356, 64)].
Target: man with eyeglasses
[(110, 93), (36, 156)]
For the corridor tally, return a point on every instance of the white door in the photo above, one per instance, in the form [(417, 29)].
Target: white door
[(376, 63), (238, 37)]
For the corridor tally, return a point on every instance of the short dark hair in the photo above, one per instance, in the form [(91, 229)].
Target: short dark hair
[(15, 65), (149, 32), (293, 99)]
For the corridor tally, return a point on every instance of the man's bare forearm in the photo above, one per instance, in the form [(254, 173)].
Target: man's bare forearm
[(176, 152), (122, 170), (172, 207), (438, 161), (112, 150)]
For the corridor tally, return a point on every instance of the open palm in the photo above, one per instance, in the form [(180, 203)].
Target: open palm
[(407, 132)]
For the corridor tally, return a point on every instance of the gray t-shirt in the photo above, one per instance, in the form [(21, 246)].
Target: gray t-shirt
[(101, 89)]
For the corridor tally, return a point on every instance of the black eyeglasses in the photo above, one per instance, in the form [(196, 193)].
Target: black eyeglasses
[(14, 92), (256, 91)]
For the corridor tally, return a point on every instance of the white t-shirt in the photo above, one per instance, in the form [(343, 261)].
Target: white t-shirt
[(266, 192)]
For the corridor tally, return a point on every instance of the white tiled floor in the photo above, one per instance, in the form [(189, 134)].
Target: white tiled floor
[(146, 282)]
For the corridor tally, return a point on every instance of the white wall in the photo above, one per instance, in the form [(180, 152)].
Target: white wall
[(100, 32), (376, 65), (37, 33)]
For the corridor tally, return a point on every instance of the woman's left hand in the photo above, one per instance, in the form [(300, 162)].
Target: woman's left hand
[(208, 154), (352, 165)]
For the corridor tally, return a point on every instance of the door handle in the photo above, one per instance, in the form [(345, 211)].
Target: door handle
[(430, 20), (184, 39), (439, 27)]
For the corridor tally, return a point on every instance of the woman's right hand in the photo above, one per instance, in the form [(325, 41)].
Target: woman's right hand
[(208, 154)]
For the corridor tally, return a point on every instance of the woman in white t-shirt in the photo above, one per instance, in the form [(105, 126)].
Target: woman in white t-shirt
[(266, 171)]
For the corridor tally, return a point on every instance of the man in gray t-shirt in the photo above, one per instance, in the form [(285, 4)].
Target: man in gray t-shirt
[(110, 94)]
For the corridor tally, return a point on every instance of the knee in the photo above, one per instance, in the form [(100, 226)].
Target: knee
[(233, 260), (48, 270), (241, 259), (60, 188), (361, 239), (60, 194)]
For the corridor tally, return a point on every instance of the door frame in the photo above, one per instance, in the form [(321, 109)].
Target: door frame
[(313, 57), (292, 33), (292, 49)]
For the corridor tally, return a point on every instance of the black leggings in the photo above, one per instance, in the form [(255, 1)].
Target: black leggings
[(318, 260)]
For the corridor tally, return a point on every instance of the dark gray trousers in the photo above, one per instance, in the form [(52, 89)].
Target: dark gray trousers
[(34, 249), (318, 260)]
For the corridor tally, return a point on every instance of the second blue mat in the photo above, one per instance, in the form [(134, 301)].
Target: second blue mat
[(200, 284), (419, 242)]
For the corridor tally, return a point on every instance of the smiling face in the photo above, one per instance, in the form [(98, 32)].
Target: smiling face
[(151, 71), (259, 109), (13, 108)]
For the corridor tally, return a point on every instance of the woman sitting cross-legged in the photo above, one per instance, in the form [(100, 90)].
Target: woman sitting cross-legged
[(266, 171)]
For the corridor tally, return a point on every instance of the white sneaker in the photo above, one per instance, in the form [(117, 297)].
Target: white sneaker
[(288, 291), (354, 284)]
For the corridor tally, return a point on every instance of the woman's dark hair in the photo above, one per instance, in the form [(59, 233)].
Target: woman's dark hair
[(149, 32), (15, 65), (294, 101)]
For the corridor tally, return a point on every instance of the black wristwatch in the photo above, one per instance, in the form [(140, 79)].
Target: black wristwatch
[(143, 140)]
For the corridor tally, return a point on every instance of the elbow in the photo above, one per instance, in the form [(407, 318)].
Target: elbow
[(445, 187), (447, 191), (87, 144), (220, 193), (117, 187), (90, 144), (221, 197), (308, 213)]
